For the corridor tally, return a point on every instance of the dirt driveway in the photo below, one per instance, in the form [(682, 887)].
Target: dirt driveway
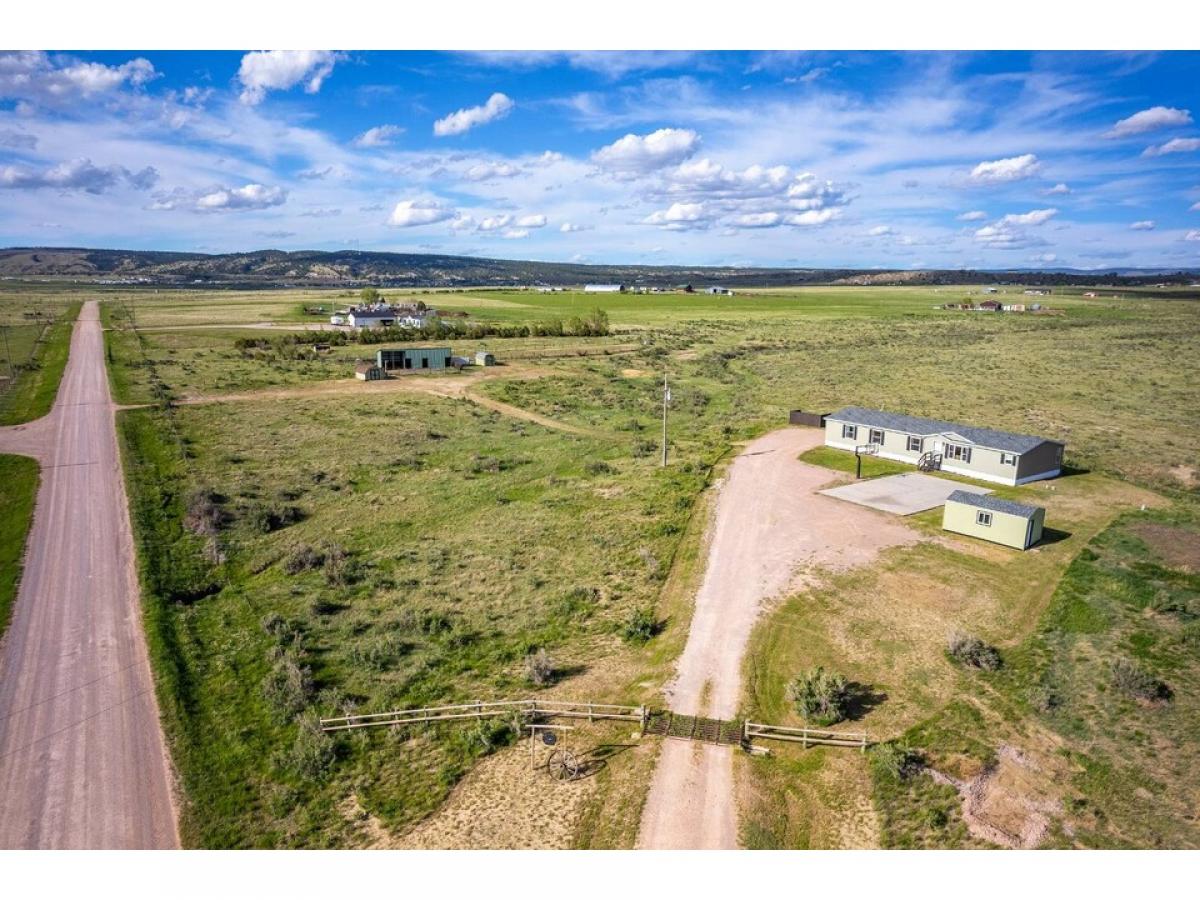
[(770, 527)]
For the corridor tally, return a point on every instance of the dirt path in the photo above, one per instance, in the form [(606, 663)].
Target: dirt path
[(82, 760), (769, 527), (452, 386)]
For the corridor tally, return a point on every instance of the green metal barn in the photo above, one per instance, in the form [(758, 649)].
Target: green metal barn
[(413, 359)]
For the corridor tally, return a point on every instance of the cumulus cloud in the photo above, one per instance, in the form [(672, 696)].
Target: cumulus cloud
[(757, 220), (706, 176), (411, 213), (679, 216), (975, 215), (246, 197), (810, 193), (486, 171), (813, 217), (532, 221), (279, 70), (497, 107), (1193, 235), (999, 171), (1059, 188), (379, 136), (17, 140), (514, 233), (1176, 145), (1195, 207), (1144, 225), (1151, 119), (571, 227), (549, 158), (495, 223), (323, 173), (1044, 258), (35, 77), (635, 154), (1033, 217), (77, 175), (881, 230)]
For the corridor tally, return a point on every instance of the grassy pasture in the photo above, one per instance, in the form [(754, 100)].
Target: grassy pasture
[(471, 538), (18, 488)]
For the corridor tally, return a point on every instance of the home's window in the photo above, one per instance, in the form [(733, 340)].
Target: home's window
[(850, 431), (983, 518), (914, 444), (959, 452), (1008, 459), (876, 436)]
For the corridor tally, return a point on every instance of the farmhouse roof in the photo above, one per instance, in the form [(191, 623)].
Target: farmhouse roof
[(984, 437), (995, 504)]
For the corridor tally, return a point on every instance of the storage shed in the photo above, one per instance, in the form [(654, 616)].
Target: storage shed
[(993, 519), (483, 358), (366, 371), (413, 358)]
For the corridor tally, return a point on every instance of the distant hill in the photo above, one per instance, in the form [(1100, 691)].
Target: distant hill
[(273, 268)]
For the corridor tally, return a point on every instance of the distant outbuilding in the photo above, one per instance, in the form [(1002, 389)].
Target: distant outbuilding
[(993, 519), (484, 358), (366, 371), (413, 358)]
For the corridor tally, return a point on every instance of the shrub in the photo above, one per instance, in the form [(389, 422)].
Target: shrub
[(1132, 680), (641, 626), (598, 467), (539, 668), (303, 559), (265, 518), (821, 697), (312, 753), (971, 651), (340, 567), (288, 686), (643, 447), (202, 515), (380, 652), (896, 761)]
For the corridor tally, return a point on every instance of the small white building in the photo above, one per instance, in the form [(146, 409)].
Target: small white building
[(603, 288), (723, 291)]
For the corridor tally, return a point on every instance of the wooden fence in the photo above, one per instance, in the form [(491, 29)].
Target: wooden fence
[(809, 737), (484, 709)]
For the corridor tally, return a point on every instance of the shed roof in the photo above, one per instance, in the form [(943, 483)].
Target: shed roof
[(995, 504), (364, 367), (985, 437)]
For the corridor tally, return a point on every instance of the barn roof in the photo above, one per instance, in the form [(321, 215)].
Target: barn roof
[(985, 437)]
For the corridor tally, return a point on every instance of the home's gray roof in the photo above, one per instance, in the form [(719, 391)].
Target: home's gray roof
[(987, 501), (985, 437)]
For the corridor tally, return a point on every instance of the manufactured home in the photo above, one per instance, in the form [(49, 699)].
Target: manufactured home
[(413, 358), (603, 288), (931, 444), (993, 519)]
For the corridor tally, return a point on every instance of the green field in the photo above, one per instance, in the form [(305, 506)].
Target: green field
[(38, 333), (315, 553), (18, 487)]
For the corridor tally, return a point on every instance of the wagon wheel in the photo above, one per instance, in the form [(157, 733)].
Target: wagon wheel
[(563, 765)]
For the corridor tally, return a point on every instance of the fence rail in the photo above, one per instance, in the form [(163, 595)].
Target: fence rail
[(807, 736), (487, 709)]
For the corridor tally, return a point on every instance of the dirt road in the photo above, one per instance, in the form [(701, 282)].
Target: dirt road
[(82, 761), (768, 529)]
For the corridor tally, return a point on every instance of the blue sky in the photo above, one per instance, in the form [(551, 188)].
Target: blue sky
[(997, 160)]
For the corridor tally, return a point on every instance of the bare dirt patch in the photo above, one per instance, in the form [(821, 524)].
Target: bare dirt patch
[(1178, 547), (1013, 801)]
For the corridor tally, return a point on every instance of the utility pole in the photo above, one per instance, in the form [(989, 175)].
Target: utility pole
[(666, 403), (7, 352)]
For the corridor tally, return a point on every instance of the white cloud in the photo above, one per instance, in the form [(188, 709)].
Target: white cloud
[(1151, 119), (495, 223), (809, 192), (1059, 188), (77, 175), (999, 171), (1044, 258), (1144, 225), (1033, 217), (485, 171), (814, 217), (410, 213), (1193, 235), (640, 154), (514, 233), (335, 171), (532, 221), (708, 177), (549, 158), (1195, 207), (33, 76), (881, 230), (678, 216), (280, 70), (379, 136), (757, 220), (249, 196), (1175, 145), (497, 107), (570, 228), (975, 215)]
